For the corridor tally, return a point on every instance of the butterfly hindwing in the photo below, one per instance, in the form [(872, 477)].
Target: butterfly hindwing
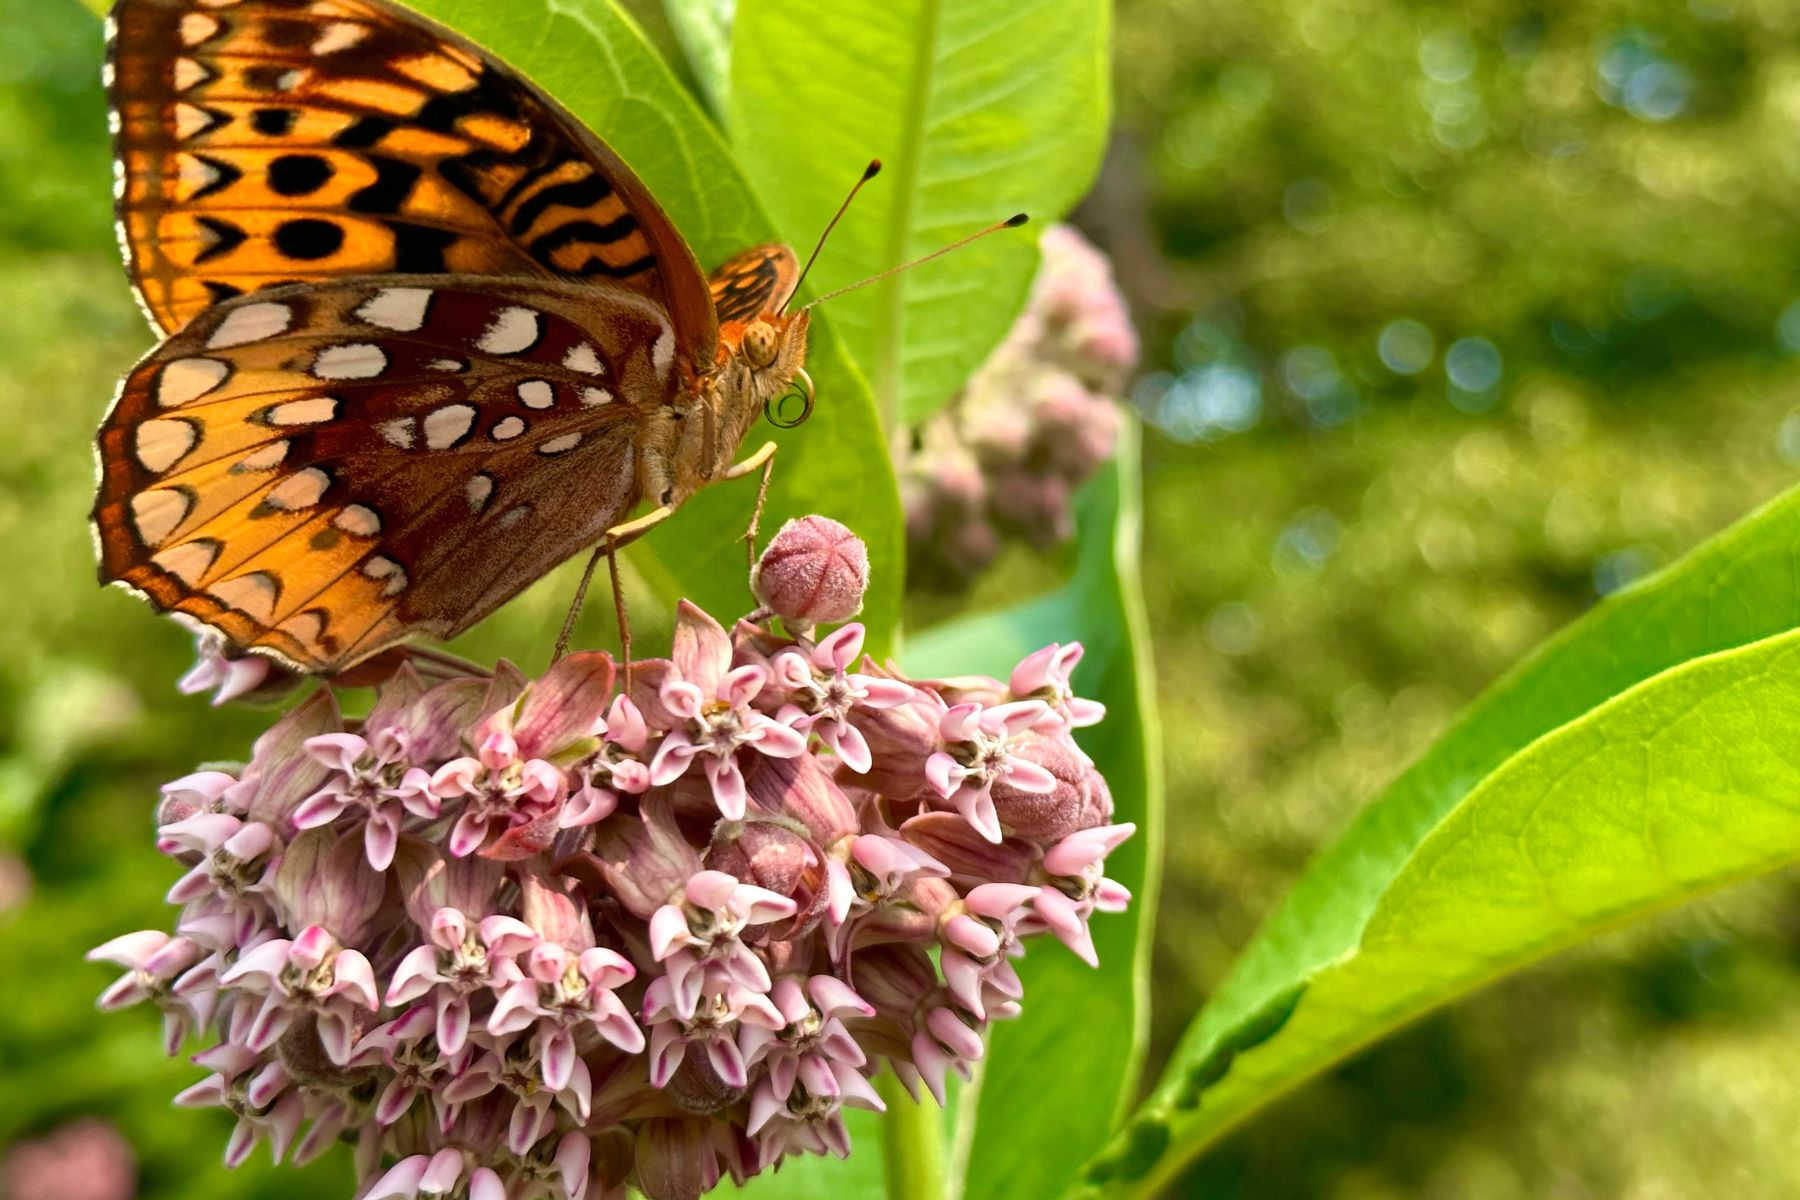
[(321, 469), (263, 142)]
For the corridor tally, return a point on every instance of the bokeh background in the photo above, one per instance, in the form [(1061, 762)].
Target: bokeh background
[(1457, 318)]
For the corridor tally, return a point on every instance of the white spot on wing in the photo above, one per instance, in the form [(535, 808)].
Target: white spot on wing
[(381, 567), (157, 512), (187, 379), (444, 364), (287, 81), (508, 428), (446, 426), (188, 72), (302, 489), (304, 412), (536, 393), (163, 442), (581, 357), (263, 458), (397, 308), (513, 516), (194, 174), (595, 397), (191, 120), (478, 489), (358, 519), (340, 35), (355, 360), (514, 329), (251, 323), (558, 445), (401, 432), (254, 594), (662, 353), (197, 27), (188, 561)]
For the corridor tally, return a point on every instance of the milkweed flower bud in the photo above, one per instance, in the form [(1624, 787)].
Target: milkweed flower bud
[(813, 572), (519, 939)]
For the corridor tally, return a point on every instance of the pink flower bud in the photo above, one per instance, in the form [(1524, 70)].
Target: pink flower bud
[(1052, 815), (813, 571)]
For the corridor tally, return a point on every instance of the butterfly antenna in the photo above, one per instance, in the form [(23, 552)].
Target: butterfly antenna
[(1012, 222), (869, 172)]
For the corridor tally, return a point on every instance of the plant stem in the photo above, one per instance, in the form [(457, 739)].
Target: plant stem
[(912, 1137)]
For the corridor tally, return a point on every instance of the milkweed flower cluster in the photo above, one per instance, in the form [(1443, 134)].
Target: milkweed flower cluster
[(519, 939), (1035, 422)]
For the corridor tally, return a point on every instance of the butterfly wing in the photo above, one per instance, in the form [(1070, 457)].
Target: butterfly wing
[(320, 470), (263, 142), (753, 283)]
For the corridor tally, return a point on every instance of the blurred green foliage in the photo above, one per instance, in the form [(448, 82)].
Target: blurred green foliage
[(1460, 316)]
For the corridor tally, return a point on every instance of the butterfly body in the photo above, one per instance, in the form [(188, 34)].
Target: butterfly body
[(427, 337)]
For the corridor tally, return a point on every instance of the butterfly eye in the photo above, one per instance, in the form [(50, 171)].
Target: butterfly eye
[(781, 410), (760, 344)]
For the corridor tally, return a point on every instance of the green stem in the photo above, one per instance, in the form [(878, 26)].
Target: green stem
[(912, 1137)]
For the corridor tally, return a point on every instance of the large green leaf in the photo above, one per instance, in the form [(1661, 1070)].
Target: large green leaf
[(592, 58), (979, 108), (1738, 589), (1055, 1079), (703, 27)]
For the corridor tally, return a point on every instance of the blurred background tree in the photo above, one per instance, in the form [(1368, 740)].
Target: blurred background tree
[(1458, 316)]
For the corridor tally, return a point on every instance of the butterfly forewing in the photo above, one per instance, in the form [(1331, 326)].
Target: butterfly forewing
[(319, 470), (753, 283), (263, 142)]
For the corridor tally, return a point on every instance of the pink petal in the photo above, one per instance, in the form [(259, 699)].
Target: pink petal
[(355, 979), (777, 740), (453, 1022), (381, 836), (727, 786), (319, 809), (339, 751), (467, 835), (832, 995), (671, 759), (839, 648)]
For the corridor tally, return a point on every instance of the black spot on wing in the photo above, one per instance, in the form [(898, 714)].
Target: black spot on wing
[(308, 238)]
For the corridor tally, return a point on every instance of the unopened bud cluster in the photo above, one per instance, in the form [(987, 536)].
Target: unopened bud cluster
[(1035, 422), (558, 938)]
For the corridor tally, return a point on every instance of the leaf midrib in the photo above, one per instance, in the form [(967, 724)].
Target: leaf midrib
[(891, 319)]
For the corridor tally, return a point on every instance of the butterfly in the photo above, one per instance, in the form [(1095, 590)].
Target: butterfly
[(426, 335)]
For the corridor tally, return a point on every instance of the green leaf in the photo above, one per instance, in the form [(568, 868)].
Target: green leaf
[(703, 27), (1735, 591), (978, 108), (589, 55), (823, 1178), (1055, 1079)]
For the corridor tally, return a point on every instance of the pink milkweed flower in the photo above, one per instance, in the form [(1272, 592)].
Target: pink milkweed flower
[(232, 873), (805, 1121), (616, 768), (408, 1045), (558, 1170), (978, 752), (978, 943), (946, 1040), (448, 1173), (229, 676), (867, 873), (566, 995), (152, 961), (310, 974), (812, 1049), (501, 792), (820, 692), (711, 1025), (253, 1089), (1064, 904), (1044, 675), (707, 703), (191, 795), (512, 1065), (700, 934), (460, 961), (373, 777)]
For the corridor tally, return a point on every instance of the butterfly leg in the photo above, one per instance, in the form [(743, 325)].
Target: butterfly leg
[(618, 591), (764, 458), (568, 626)]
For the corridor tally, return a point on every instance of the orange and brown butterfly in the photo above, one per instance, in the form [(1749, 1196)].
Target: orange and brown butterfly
[(427, 336)]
